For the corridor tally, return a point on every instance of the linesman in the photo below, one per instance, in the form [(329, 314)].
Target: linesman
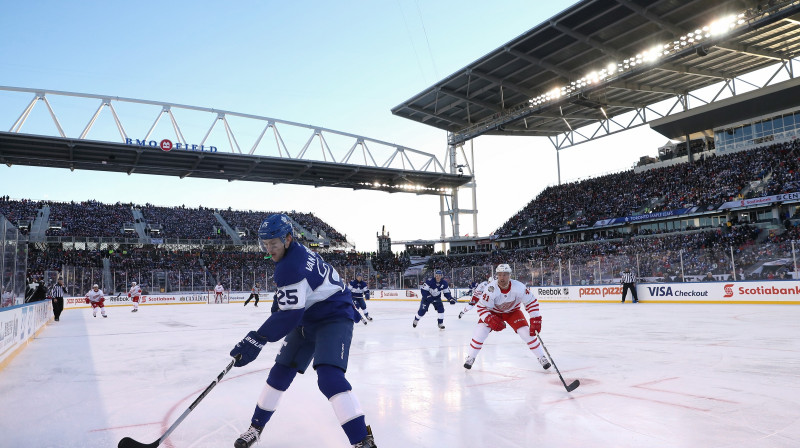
[(628, 280), (56, 294)]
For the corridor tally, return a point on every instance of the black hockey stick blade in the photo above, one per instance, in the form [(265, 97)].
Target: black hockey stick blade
[(573, 385), (127, 442)]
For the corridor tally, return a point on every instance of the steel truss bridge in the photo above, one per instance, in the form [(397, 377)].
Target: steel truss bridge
[(327, 158)]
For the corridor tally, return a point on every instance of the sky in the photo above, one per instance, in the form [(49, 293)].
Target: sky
[(339, 65)]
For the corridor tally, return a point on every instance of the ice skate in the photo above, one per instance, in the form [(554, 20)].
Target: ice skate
[(441, 326), (364, 320), (249, 437), (369, 318), (544, 362), (105, 315), (460, 314), (416, 321), (469, 362), (368, 442)]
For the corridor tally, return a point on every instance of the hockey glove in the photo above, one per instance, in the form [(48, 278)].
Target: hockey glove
[(495, 323), (87, 300), (247, 349), (452, 300), (536, 325)]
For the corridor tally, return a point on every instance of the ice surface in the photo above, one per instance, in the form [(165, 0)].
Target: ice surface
[(652, 375)]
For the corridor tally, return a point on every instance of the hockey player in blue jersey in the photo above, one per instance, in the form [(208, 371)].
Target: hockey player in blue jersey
[(360, 291), (472, 287), (475, 293), (316, 316), (432, 291)]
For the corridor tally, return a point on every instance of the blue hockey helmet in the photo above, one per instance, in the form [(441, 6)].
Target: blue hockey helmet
[(275, 226), (438, 272)]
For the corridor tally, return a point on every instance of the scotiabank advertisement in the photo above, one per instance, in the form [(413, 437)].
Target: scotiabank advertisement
[(395, 294), (787, 292), (158, 299)]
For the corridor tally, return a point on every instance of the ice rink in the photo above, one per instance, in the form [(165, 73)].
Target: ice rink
[(652, 375)]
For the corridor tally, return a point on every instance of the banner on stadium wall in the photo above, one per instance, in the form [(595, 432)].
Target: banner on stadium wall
[(18, 324), (395, 294), (645, 217), (762, 200), (711, 292), (413, 294), (158, 299)]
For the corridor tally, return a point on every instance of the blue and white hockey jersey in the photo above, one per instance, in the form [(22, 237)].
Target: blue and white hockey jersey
[(359, 289), (471, 289), (432, 289), (309, 291)]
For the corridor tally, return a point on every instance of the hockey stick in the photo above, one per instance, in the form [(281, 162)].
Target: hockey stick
[(573, 385), (127, 442)]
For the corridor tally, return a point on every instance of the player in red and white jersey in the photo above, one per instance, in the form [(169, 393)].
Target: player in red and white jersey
[(477, 293), (96, 298), (499, 305), (134, 293), (219, 290)]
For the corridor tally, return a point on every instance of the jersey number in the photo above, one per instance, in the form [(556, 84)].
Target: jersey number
[(327, 271), (290, 295)]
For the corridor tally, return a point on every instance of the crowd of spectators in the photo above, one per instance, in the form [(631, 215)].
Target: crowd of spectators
[(248, 220), (705, 182), (17, 211), (689, 256), (89, 218), (96, 219), (311, 222), (184, 222)]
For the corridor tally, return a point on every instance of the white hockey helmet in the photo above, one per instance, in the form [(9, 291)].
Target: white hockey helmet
[(503, 268), (133, 283), (95, 286)]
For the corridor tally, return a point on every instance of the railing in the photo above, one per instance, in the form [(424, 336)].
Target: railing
[(774, 261)]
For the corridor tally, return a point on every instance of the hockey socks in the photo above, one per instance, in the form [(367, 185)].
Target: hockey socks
[(532, 341), (279, 379), (345, 404)]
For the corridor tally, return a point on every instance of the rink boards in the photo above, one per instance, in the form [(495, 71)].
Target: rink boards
[(754, 292), (19, 324)]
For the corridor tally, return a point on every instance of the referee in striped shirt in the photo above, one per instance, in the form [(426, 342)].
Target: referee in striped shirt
[(56, 294), (629, 282)]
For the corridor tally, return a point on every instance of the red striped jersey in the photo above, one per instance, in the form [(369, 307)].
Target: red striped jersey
[(498, 301)]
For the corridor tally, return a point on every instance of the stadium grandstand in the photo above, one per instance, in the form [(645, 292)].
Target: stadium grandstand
[(720, 203)]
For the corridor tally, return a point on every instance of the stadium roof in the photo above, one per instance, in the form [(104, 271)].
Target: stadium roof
[(768, 100), (56, 152), (602, 58)]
